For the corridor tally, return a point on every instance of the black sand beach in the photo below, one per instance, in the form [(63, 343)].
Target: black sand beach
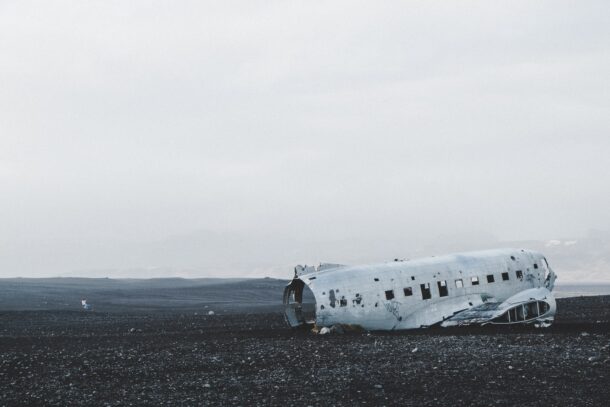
[(246, 355)]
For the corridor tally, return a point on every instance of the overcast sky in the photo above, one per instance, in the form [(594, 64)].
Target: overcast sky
[(249, 131)]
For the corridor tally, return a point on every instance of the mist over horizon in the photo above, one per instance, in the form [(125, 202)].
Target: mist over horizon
[(211, 255), (241, 139)]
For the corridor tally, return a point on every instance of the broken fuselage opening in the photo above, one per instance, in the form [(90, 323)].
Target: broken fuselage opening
[(299, 304)]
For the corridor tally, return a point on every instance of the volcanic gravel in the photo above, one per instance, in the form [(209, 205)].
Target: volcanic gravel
[(90, 358)]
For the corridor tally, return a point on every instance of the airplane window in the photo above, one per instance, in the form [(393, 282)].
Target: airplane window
[(543, 306), (505, 276), (425, 291), (532, 309), (519, 274), (474, 280), (408, 291), (502, 318), (442, 288), (490, 278), (459, 283), (389, 294)]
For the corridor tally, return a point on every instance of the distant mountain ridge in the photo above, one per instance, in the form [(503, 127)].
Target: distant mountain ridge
[(206, 254), (577, 260)]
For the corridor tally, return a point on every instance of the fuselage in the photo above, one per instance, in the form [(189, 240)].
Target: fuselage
[(423, 292)]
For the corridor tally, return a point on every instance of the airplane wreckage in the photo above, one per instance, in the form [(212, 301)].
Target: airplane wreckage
[(503, 286)]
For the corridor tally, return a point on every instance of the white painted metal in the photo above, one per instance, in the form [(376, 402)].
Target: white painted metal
[(357, 294)]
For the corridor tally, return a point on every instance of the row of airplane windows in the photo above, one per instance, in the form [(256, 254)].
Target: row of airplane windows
[(443, 291)]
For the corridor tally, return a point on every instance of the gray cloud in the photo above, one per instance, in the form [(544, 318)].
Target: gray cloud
[(295, 129)]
